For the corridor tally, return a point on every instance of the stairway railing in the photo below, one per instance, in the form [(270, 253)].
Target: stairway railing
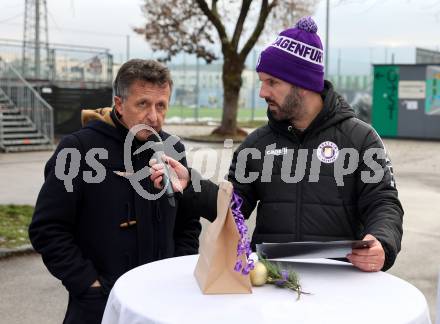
[(27, 100), (1, 132)]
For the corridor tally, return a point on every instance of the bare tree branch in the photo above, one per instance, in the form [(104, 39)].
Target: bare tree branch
[(214, 7), (172, 31), (215, 19), (264, 12), (173, 26), (240, 23)]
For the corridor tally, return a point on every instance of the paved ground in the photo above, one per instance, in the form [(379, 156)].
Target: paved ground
[(29, 294)]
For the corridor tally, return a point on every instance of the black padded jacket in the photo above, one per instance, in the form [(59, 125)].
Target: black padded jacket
[(301, 199)]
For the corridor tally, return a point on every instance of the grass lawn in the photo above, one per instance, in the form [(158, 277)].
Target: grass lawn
[(215, 113), (252, 124), (14, 222)]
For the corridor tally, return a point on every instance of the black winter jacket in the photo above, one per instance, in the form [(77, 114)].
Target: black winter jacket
[(316, 208), (79, 233)]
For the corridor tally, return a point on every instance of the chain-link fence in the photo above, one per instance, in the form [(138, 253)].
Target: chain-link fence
[(198, 94), (64, 62)]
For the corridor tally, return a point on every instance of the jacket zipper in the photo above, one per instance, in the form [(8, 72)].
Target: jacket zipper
[(298, 206), (298, 189)]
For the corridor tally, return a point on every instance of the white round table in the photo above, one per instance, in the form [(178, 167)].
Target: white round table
[(167, 292)]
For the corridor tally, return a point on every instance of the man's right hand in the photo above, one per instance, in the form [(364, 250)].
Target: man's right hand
[(369, 259)]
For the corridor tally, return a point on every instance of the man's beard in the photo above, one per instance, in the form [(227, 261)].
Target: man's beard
[(291, 109)]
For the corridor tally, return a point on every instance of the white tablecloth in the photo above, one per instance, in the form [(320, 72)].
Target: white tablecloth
[(167, 292)]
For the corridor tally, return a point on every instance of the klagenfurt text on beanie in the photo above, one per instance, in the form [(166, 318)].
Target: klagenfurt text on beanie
[(296, 56)]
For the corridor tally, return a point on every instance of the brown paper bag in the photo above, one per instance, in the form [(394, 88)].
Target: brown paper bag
[(214, 271)]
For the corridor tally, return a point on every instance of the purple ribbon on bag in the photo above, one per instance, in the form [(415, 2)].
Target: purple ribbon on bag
[(244, 245)]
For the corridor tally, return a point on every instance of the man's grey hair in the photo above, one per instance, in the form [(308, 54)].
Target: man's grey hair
[(140, 70)]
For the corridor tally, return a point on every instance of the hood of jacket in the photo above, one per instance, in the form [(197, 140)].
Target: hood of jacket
[(107, 122)]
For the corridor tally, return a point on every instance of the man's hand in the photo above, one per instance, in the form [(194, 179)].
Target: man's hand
[(178, 173), (369, 259)]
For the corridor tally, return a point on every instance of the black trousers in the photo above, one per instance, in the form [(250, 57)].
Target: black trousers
[(87, 308)]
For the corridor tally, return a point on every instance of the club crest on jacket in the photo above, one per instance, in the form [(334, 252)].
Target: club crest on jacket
[(327, 152)]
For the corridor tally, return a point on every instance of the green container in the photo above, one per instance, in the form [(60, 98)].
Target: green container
[(385, 112)]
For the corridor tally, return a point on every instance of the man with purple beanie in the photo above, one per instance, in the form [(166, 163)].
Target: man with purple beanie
[(316, 171)]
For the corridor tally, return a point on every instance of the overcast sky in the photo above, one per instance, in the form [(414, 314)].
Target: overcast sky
[(368, 24)]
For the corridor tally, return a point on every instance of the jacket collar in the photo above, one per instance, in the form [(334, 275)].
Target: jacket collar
[(117, 130)]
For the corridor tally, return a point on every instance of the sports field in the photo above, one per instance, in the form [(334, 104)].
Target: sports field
[(214, 113)]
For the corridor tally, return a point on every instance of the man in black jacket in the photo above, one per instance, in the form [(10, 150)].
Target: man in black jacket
[(91, 223), (316, 171), (331, 178)]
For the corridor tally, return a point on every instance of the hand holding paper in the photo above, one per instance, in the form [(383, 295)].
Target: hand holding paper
[(371, 259), (310, 250)]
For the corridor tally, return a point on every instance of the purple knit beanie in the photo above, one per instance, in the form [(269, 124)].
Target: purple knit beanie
[(296, 56)]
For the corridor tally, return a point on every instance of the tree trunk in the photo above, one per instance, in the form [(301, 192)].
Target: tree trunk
[(232, 69)]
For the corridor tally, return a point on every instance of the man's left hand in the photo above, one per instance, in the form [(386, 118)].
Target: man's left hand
[(369, 259), (178, 173)]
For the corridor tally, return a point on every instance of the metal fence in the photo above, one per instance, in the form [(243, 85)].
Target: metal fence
[(198, 93), (65, 62), (26, 99)]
